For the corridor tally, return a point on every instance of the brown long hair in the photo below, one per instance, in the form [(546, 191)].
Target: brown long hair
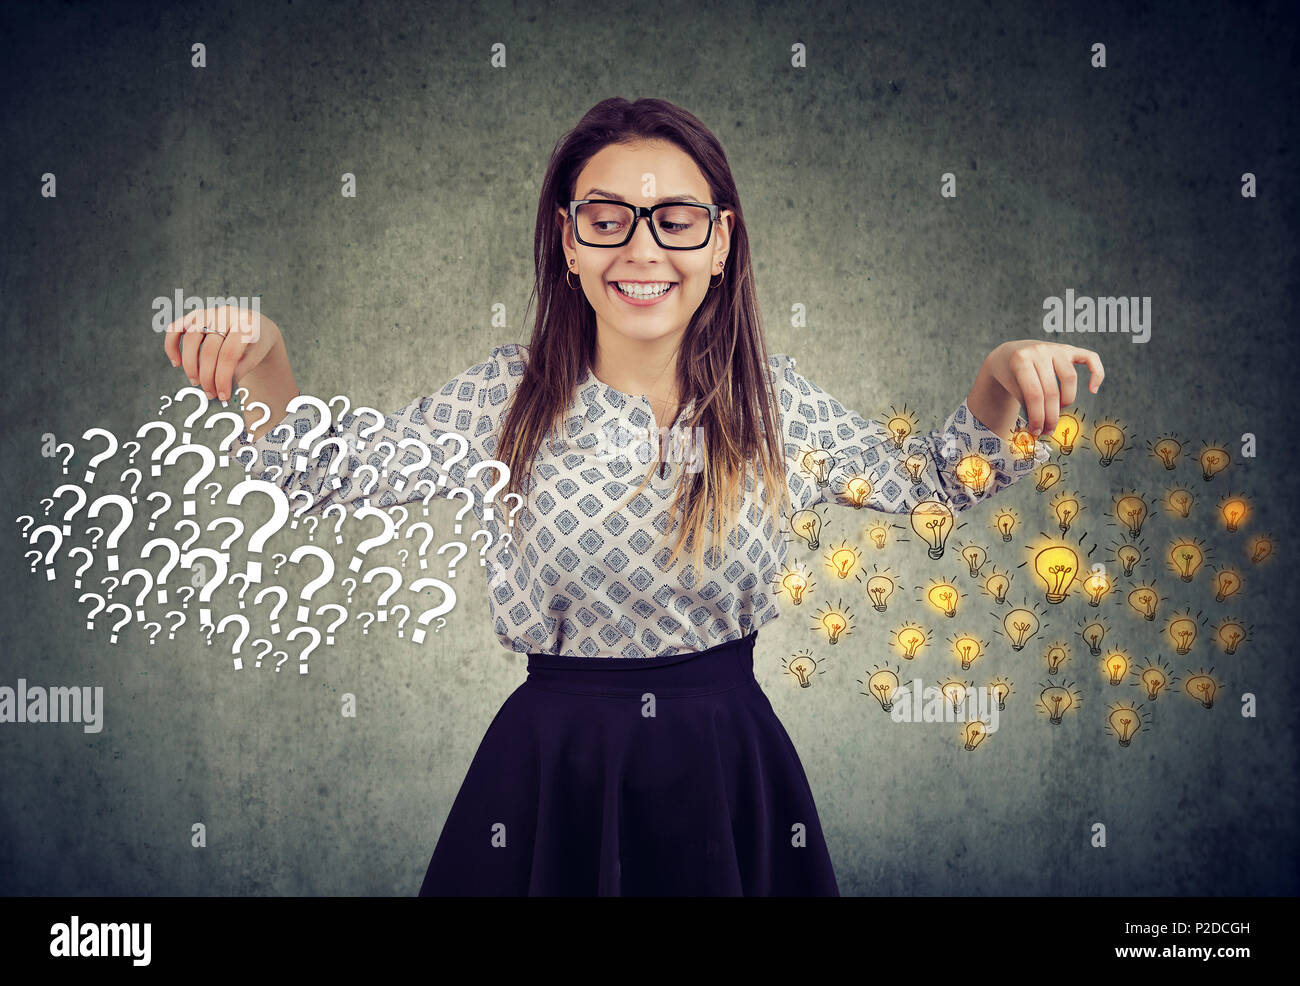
[(722, 363)]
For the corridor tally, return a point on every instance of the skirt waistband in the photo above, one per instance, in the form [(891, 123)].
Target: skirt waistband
[(719, 668)]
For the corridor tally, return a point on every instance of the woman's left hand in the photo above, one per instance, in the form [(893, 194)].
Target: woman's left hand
[(1028, 369)]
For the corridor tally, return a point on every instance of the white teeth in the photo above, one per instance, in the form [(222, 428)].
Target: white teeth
[(643, 290)]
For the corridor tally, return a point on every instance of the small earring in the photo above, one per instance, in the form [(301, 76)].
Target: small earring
[(720, 270), (571, 285)]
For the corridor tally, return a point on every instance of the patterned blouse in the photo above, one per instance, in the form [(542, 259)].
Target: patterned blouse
[(590, 580)]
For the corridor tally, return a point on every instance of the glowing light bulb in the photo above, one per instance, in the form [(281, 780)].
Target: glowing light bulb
[(914, 464), (795, 584), (1183, 633), (973, 733), (1065, 512), (1055, 655), (879, 589), (1125, 722), (877, 535), (1057, 567), (1233, 511), (1230, 635), (943, 597), (843, 560), (1187, 558), (1066, 432), (1116, 666), (1201, 687), (998, 585), (1048, 477), (1096, 585), (1024, 443), (1144, 599), (1128, 557), (808, 526), (1227, 583), (1093, 633), (1181, 501), (1153, 679), (1261, 548), (818, 464), (1020, 625), (1213, 461), (857, 490), (932, 520), (1056, 700), (1006, 523), (968, 649), (1131, 511), (900, 428), (802, 667), (883, 685), (1168, 450), (1000, 690), (834, 623), (974, 556), (974, 472), (910, 639), (1109, 442), (954, 692)]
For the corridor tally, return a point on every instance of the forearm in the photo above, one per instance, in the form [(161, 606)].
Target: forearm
[(992, 404), (270, 383)]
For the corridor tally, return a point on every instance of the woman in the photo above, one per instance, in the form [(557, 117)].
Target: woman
[(640, 756)]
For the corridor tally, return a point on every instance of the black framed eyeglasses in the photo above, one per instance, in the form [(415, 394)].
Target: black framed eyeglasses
[(674, 225)]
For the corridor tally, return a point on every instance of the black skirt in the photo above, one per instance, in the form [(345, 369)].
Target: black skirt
[(635, 777)]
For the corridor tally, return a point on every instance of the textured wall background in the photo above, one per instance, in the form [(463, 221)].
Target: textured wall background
[(225, 180)]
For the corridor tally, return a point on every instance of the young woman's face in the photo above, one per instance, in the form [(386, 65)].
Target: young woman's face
[(644, 173)]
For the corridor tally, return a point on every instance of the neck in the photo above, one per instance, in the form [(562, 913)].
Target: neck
[(640, 368)]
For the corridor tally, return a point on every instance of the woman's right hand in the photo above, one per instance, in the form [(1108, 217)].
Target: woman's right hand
[(218, 347)]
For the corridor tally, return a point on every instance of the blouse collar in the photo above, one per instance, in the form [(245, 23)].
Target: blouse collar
[(594, 400)]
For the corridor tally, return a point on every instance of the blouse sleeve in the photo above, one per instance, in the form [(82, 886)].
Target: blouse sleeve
[(830, 450), (471, 404)]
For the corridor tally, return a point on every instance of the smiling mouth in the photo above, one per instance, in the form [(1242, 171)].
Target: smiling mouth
[(647, 297)]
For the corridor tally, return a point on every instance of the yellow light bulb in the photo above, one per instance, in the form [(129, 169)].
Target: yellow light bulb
[(1261, 548), (1131, 511), (1230, 635), (974, 556), (1183, 633), (1116, 666), (900, 428), (802, 668), (1128, 556), (1066, 432), (1006, 523), (1065, 512), (883, 685), (974, 472), (973, 733), (834, 623), (1055, 655), (1001, 690), (818, 463), (795, 584), (878, 536), (1048, 477), (1057, 567), (932, 520), (858, 489), (968, 649), (1109, 442), (943, 597), (1233, 511), (1093, 633), (911, 639), (879, 589), (1168, 450), (807, 525), (954, 692), (1056, 700), (998, 586), (1181, 501), (1020, 625), (1144, 599), (1096, 585), (1125, 722), (1153, 679), (1213, 461), (1187, 559), (1201, 687), (1227, 583), (843, 560)]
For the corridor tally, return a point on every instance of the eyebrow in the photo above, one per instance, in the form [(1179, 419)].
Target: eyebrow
[(600, 193)]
